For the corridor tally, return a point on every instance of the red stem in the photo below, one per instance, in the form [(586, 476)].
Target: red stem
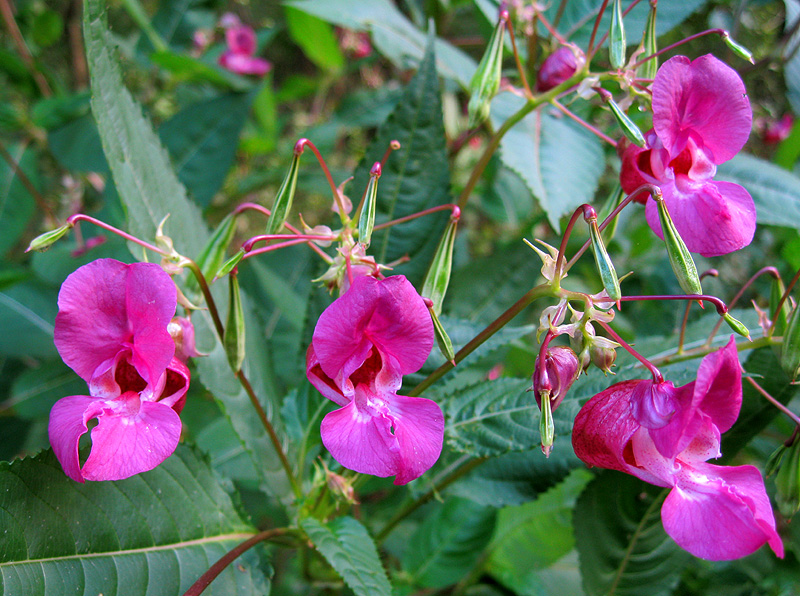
[(454, 208), (596, 27), (676, 44), (298, 148), (585, 124), (517, 60), (81, 217), (657, 376), (771, 270), (624, 14), (789, 288)]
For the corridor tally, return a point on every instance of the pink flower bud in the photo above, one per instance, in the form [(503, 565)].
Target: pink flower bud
[(182, 332), (557, 68), (776, 131), (561, 368)]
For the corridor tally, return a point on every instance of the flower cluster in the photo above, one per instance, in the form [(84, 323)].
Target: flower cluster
[(112, 330), (363, 344), (665, 435), (701, 118), (240, 56)]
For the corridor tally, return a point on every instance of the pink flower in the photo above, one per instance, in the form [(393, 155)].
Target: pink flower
[(363, 344), (558, 67), (775, 131), (701, 118), (111, 329), (239, 57), (664, 435)]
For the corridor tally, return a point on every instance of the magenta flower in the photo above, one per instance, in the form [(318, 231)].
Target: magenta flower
[(363, 344), (240, 55), (111, 329), (664, 435), (701, 118)]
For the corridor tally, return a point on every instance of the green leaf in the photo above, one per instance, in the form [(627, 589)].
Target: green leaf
[(622, 545), (416, 177), (76, 146), (47, 28), (393, 34), (775, 191), (27, 315), (530, 538), (448, 544), (16, 202), (316, 38), (791, 69), (154, 533), (189, 68), (35, 391), (202, 140), (349, 549), (538, 149), (145, 181)]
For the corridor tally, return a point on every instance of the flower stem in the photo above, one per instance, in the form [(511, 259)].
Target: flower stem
[(454, 208), (72, 219), (783, 299), (298, 148), (209, 576), (657, 376), (676, 44), (774, 401), (531, 295), (605, 35), (583, 123), (772, 271), (596, 27), (517, 60)]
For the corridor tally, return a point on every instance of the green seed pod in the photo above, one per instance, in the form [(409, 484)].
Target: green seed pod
[(790, 348), (630, 130), (283, 200), (486, 80), (229, 265), (679, 256), (737, 48), (366, 220), (649, 45), (612, 202), (787, 481), (442, 339), (438, 277), (781, 318), (234, 337), (616, 37), (736, 325), (44, 241), (211, 258), (604, 265)]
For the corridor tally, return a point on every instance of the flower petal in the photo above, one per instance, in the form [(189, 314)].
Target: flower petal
[(67, 424), (244, 64), (713, 218), (720, 513), (124, 445), (419, 427), (323, 383), (704, 100), (241, 39), (718, 389)]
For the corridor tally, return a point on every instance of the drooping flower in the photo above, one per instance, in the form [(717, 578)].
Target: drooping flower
[(363, 344), (701, 118), (240, 55), (561, 369), (664, 435), (111, 329)]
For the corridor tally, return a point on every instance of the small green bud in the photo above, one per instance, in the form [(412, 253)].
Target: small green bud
[(625, 123), (234, 337), (438, 277), (737, 48), (649, 45), (230, 264), (366, 220), (486, 81), (604, 265), (44, 241), (283, 200), (787, 481), (616, 37), (790, 348), (736, 325), (679, 256), (442, 339)]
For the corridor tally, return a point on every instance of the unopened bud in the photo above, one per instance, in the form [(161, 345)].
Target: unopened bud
[(182, 332), (211, 258), (442, 339), (603, 353), (679, 257), (283, 200), (486, 80), (737, 48), (558, 67), (561, 368), (790, 348), (44, 241), (438, 277), (616, 37)]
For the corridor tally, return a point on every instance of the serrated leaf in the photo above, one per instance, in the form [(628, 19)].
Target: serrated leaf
[(16, 202), (540, 146), (392, 34), (533, 536), (154, 533), (775, 191), (350, 550), (145, 181), (416, 177), (622, 545), (448, 543), (202, 139)]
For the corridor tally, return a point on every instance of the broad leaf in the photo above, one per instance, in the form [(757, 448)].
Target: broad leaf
[(16, 202), (775, 191), (27, 315), (416, 177), (622, 545), (35, 391), (145, 181), (448, 543), (560, 161), (349, 549), (791, 69), (316, 38), (392, 33), (154, 533), (202, 139), (530, 538)]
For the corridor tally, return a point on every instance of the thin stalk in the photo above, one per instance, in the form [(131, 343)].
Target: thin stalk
[(248, 245), (533, 294), (454, 208), (676, 44), (562, 248), (704, 350), (412, 506), (26, 182), (551, 29), (274, 247), (774, 401), (301, 144), (521, 70), (596, 27), (560, 12), (13, 29), (770, 270), (657, 376), (583, 123), (624, 13), (209, 576), (682, 336), (721, 307), (73, 219)]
